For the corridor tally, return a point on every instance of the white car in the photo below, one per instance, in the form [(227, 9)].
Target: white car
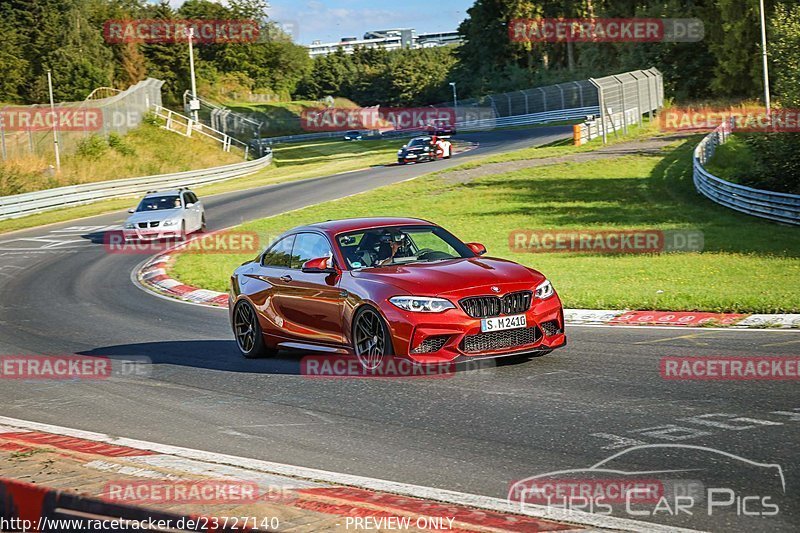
[(164, 215)]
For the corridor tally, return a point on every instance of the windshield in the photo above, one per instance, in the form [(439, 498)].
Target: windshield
[(395, 245), (159, 203), (418, 142)]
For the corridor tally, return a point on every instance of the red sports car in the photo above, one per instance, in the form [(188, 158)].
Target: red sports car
[(373, 287)]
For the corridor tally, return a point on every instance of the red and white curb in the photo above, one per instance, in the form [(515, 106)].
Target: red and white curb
[(482, 512), (153, 275)]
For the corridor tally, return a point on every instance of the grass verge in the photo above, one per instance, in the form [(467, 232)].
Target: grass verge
[(732, 160), (291, 162), (747, 265), (144, 151)]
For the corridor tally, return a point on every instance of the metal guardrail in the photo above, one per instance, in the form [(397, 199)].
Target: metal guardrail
[(776, 206), (463, 125), (19, 205), (614, 123), (185, 126), (533, 118)]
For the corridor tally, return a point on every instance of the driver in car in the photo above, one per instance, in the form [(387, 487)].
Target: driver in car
[(391, 245)]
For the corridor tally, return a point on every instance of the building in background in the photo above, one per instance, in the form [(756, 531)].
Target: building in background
[(393, 39)]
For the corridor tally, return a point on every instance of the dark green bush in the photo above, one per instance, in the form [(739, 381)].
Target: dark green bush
[(11, 180), (116, 142), (777, 158), (92, 147)]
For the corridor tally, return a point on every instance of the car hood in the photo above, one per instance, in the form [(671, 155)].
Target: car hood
[(452, 276), (148, 216), (413, 149)]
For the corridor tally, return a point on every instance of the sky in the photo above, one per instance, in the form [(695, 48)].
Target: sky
[(330, 20)]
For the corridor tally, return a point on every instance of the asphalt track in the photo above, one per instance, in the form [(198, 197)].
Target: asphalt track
[(476, 431)]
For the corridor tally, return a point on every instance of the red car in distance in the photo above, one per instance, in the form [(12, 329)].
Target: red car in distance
[(374, 287)]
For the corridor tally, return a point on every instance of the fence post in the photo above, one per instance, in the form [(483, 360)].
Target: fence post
[(563, 102), (527, 110), (624, 106), (3, 138), (494, 106), (602, 101), (544, 99), (639, 100)]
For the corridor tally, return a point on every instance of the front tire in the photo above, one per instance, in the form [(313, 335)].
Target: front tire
[(248, 333), (371, 339)]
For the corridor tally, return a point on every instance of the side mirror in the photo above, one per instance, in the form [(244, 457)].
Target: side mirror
[(132, 210), (320, 265), (189, 205), (477, 247)]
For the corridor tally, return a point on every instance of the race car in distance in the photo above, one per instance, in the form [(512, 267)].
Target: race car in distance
[(441, 128), (376, 287), (165, 215), (353, 135), (426, 148)]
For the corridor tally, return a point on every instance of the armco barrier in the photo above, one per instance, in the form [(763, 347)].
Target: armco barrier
[(461, 125), (28, 507), (533, 118), (614, 123), (35, 202), (776, 206)]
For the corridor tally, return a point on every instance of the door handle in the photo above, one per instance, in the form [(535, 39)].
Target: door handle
[(286, 278)]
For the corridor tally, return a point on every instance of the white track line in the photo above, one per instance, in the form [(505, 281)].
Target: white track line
[(684, 328), (415, 491)]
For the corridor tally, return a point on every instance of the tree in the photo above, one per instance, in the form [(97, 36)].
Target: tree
[(785, 54), (15, 66), (735, 46)]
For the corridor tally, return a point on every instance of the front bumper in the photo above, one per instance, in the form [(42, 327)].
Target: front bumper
[(152, 234), (454, 336), (414, 157)]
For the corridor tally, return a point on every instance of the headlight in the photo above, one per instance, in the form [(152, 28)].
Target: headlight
[(544, 290), (422, 304), (171, 222), (129, 225)]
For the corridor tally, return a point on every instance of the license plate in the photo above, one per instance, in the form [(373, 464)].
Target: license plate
[(503, 322)]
